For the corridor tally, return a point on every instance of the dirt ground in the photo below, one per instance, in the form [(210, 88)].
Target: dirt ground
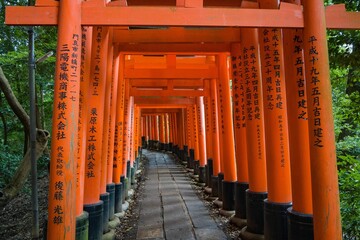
[(16, 217)]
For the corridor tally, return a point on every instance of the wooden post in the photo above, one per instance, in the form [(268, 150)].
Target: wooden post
[(221, 141), (110, 184), (300, 215), (118, 177), (195, 133), (62, 186), (255, 136), (93, 167), (228, 146), (208, 125), (162, 131), (215, 138), (276, 134), (157, 133), (202, 138), (209, 168), (81, 216), (239, 109), (192, 140), (104, 195), (327, 220), (126, 152), (170, 127), (167, 132)]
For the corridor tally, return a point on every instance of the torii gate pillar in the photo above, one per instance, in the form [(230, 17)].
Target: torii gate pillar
[(62, 187)]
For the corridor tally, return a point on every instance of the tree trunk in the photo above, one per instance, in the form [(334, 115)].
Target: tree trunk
[(22, 172), (42, 136), (13, 102)]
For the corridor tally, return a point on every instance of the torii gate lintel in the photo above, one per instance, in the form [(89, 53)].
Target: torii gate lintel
[(287, 16)]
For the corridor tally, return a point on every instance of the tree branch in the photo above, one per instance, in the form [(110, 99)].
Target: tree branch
[(13, 102)]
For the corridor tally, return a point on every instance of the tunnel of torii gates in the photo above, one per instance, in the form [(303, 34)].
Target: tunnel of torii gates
[(156, 74)]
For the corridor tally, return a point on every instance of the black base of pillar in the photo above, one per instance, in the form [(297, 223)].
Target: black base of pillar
[(300, 226), (110, 188), (214, 186), (170, 149), (206, 169), (210, 171), (228, 199), (166, 147), (82, 226), (123, 187), (255, 211), (132, 173), (188, 162), (186, 149), (202, 177), (118, 197), (105, 197), (155, 145), (126, 187), (275, 220), (162, 146), (128, 169), (240, 199), (196, 167), (95, 220), (192, 158), (220, 179), (143, 142)]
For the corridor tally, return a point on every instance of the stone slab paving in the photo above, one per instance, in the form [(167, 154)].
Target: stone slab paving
[(169, 207)]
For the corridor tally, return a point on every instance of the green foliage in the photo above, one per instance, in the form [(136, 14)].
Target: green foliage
[(14, 62), (344, 54), (9, 161), (349, 182)]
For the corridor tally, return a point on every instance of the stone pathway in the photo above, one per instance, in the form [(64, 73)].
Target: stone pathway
[(169, 207)]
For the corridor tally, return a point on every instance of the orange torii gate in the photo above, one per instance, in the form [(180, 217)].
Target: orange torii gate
[(272, 17)]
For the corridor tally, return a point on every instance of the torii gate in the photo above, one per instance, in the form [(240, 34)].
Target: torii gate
[(71, 15)]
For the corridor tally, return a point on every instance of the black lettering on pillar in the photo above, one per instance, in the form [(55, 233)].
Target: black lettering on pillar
[(315, 93)]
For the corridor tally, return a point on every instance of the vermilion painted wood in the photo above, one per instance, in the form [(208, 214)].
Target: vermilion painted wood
[(298, 121), (119, 125), (106, 123), (170, 73), (176, 35), (275, 111), (62, 186), (208, 124), (96, 115), (194, 122), (215, 127), (112, 117), (132, 133), (255, 135), (83, 121), (166, 16), (226, 122), (190, 48), (201, 131), (239, 111), (327, 220)]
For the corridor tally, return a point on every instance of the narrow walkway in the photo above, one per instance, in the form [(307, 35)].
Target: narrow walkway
[(169, 207)]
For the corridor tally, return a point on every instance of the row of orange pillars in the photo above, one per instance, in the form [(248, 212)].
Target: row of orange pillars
[(265, 147)]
